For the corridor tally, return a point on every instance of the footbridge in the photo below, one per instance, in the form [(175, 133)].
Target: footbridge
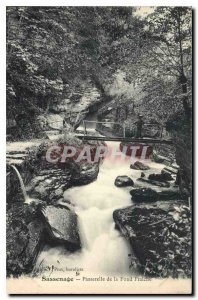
[(114, 131), (103, 131)]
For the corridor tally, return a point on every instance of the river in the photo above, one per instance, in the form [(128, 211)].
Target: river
[(104, 250)]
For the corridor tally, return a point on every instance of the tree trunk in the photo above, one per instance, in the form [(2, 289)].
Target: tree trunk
[(183, 79), (183, 82)]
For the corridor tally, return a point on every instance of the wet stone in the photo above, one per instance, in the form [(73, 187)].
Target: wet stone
[(63, 225), (139, 166), (123, 181), (144, 195)]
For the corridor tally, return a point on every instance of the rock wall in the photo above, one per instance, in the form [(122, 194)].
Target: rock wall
[(43, 219), (160, 237), (29, 227), (180, 128), (183, 145)]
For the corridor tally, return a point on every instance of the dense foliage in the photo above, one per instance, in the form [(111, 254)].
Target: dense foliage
[(51, 50)]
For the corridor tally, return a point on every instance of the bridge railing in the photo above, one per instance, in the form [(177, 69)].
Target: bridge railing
[(156, 128), (122, 126), (148, 129)]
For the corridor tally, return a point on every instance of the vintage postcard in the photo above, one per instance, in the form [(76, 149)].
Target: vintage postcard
[(99, 150)]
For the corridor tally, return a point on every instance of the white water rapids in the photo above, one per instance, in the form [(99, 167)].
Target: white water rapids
[(104, 251)]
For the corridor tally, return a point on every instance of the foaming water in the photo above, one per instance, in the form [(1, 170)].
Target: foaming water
[(104, 250), (26, 198)]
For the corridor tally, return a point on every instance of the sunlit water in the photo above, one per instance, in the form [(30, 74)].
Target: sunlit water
[(104, 249)]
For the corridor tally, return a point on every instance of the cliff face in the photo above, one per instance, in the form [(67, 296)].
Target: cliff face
[(46, 217), (159, 236), (183, 144), (180, 128), (71, 106)]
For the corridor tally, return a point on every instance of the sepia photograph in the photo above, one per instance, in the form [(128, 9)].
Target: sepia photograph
[(99, 149)]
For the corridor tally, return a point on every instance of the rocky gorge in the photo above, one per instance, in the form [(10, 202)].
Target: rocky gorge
[(143, 205), (94, 77), (43, 215), (150, 213)]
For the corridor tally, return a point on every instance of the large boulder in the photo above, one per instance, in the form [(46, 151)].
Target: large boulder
[(63, 226), (160, 238), (139, 166), (30, 226), (49, 184), (50, 180), (123, 181), (144, 195), (86, 174)]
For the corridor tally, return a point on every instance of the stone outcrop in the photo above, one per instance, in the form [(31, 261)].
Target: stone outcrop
[(180, 127), (30, 226), (50, 180), (43, 220), (184, 159), (160, 237), (27, 127), (86, 174), (62, 226), (25, 234), (147, 195), (49, 184)]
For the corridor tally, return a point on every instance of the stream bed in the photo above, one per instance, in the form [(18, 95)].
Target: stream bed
[(104, 250)]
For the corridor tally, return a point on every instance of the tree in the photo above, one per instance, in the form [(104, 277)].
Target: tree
[(169, 30), (52, 50)]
